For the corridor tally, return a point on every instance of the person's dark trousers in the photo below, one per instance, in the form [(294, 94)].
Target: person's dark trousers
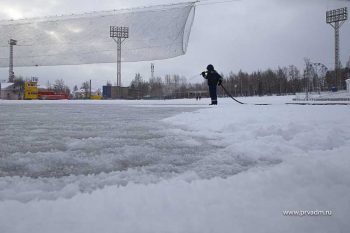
[(213, 95)]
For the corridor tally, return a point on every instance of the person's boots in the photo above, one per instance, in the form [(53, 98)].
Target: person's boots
[(214, 102)]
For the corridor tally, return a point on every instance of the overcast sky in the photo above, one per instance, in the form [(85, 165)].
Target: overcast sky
[(249, 35)]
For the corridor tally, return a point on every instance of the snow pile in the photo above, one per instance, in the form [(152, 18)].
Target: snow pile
[(230, 168)]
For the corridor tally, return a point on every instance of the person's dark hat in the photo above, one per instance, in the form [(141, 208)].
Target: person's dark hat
[(210, 67)]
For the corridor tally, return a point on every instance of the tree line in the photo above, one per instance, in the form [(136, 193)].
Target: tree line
[(282, 81)]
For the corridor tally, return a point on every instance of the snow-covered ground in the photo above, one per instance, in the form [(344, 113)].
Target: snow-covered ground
[(173, 166), (325, 96)]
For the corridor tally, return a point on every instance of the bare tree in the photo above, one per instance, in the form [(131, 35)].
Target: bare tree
[(156, 87), (60, 87)]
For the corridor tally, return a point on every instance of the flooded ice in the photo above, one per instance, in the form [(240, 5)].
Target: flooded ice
[(57, 150)]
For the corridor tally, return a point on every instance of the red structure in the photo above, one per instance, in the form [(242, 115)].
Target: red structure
[(51, 95)]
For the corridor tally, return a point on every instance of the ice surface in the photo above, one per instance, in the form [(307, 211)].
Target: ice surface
[(185, 167), (47, 147)]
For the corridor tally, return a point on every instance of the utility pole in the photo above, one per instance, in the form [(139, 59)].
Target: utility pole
[(119, 34), (241, 86), (336, 19), (152, 70), (90, 89), (11, 73), (307, 76)]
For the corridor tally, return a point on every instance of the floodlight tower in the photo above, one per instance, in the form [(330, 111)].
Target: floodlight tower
[(336, 19), (119, 34), (12, 42)]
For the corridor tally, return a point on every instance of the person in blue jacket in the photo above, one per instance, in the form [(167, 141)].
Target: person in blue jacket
[(214, 80)]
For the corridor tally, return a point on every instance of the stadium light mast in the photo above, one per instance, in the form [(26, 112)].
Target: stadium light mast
[(119, 34), (12, 42), (336, 19)]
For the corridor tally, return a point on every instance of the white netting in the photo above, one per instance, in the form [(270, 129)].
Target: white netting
[(156, 32)]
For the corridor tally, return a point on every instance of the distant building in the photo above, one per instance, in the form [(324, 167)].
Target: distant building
[(197, 94), (82, 94), (8, 91), (114, 92)]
